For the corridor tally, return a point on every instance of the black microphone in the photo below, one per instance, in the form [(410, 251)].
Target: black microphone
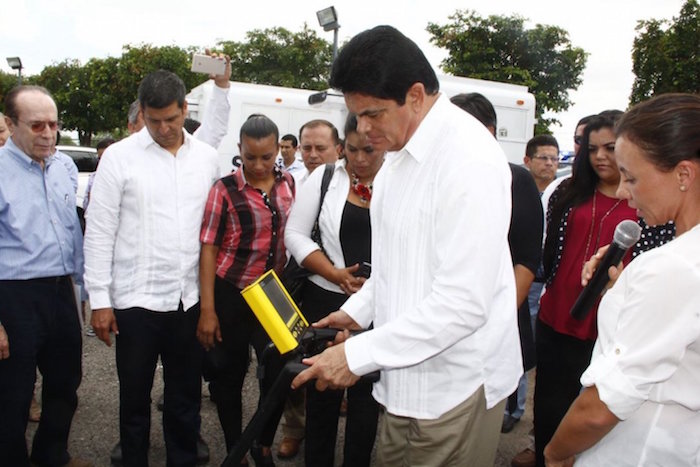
[(626, 234)]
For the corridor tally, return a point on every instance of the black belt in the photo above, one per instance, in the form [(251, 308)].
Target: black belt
[(50, 280)]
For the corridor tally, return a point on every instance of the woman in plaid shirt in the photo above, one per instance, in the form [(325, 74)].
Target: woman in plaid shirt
[(242, 236)]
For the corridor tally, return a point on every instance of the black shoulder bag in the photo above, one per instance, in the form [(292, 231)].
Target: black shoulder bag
[(294, 276)]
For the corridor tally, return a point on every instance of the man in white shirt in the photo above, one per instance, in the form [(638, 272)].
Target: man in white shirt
[(320, 144), (288, 150), (442, 291), (142, 250)]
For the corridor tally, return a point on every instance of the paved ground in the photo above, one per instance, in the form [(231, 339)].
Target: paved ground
[(95, 426)]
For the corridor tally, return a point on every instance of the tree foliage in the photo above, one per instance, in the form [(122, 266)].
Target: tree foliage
[(499, 48), (279, 57), (7, 82), (72, 89), (665, 55), (94, 97)]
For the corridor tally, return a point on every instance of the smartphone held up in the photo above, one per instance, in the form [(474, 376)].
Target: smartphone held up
[(210, 65)]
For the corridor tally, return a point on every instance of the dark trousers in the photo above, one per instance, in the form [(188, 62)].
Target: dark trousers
[(561, 360), (145, 335), (323, 407), (239, 329), (41, 321)]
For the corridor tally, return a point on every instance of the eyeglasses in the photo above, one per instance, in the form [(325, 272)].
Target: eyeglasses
[(552, 159), (578, 139), (38, 127)]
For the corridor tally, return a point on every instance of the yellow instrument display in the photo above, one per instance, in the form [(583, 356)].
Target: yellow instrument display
[(276, 311)]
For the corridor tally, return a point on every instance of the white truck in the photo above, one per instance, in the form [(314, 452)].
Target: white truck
[(290, 108)]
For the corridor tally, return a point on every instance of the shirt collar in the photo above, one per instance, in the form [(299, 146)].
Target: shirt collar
[(144, 138), (422, 142), (23, 158), (242, 182)]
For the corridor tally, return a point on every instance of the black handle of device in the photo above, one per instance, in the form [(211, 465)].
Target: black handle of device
[(276, 396)]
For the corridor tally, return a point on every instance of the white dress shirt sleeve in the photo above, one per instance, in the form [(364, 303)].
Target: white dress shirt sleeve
[(101, 231), (215, 120), (360, 305), (647, 322)]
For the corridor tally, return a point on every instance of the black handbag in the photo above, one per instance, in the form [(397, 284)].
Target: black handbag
[(294, 276)]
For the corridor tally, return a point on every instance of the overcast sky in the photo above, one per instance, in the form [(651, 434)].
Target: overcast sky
[(43, 32)]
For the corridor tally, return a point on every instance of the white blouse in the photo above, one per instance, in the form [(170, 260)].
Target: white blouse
[(297, 232), (646, 361)]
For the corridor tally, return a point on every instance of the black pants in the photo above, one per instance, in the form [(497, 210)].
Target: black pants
[(41, 320), (323, 407), (561, 360), (240, 328), (143, 336)]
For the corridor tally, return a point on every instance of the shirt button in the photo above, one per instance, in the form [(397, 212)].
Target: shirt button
[(617, 351)]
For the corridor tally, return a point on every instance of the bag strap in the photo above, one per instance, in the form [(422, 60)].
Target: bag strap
[(325, 182)]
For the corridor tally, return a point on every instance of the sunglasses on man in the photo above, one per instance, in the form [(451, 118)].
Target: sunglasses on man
[(38, 127)]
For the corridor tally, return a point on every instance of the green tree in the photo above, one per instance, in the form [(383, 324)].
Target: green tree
[(279, 57), (95, 97), (7, 82), (665, 55), (68, 81), (499, 48), (138, 61)]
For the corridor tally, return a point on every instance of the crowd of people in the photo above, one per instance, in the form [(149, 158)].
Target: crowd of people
[(459, 268)]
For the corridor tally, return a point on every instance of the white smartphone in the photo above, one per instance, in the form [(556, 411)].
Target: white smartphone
[(209, 65)]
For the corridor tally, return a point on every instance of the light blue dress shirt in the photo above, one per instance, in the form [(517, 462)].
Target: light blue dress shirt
[(40, 233)]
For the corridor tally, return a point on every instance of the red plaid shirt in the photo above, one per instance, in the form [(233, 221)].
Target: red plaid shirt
[(248, 226)]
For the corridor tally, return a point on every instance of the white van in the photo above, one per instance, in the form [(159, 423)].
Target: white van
[(290, 108)]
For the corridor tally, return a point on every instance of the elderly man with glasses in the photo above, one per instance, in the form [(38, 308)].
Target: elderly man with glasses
[(41, 258)]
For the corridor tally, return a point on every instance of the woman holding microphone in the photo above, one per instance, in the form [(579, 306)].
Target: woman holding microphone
[(640, 404)]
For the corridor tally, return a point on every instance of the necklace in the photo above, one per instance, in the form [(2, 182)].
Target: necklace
[(360, 189), (600, 228)]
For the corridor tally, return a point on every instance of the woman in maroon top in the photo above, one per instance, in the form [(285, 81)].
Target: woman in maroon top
[(242, 236), (581, 217)]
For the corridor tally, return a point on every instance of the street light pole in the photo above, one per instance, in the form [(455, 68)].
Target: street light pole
[(335, 44), (328, 20), (16, 64)]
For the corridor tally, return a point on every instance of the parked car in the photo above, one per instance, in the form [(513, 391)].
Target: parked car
[(86, 160), (566, 162)]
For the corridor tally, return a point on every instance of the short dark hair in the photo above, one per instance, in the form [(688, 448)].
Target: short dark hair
[(540, 140), (382, 63), (665, 127), (258, 126), (612, 114), (105, 143), (320, 122), (291, 138), (133, 114), (350, 124), (584, 121), (478, 106), (191, 125), (11, 111), (160, 89)]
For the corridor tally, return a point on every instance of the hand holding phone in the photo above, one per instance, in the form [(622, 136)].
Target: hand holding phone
[(210, 65), (364, 270)]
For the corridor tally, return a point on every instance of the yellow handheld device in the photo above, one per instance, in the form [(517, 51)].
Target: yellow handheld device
[(276, 311)]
